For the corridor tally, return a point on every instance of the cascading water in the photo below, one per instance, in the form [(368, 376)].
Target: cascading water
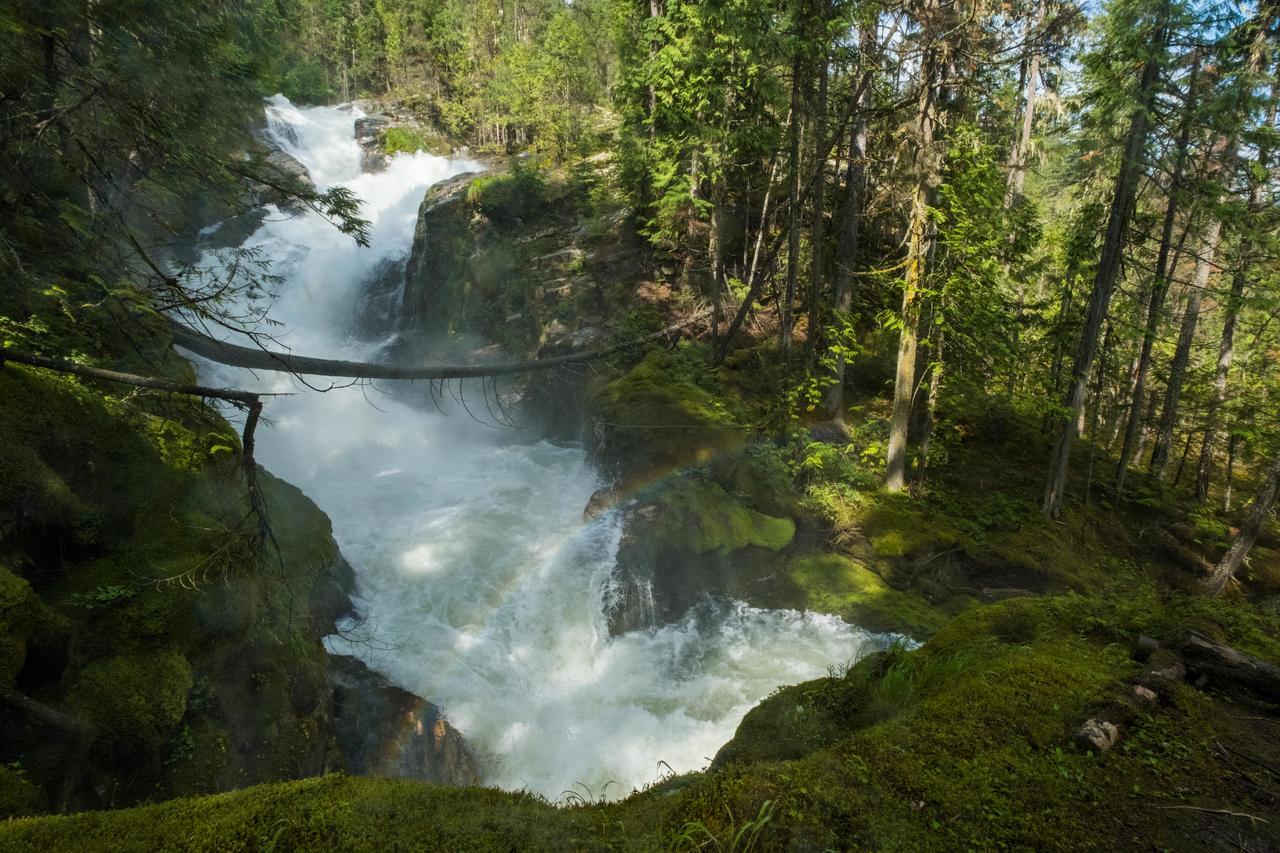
[(482, 588)]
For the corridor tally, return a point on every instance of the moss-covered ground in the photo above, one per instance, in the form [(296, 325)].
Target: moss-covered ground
[(964, 743)]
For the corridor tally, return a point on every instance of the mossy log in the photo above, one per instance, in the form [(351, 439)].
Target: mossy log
[(1212, 664)]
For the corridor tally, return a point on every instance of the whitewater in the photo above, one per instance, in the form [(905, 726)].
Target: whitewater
[(480, 587)]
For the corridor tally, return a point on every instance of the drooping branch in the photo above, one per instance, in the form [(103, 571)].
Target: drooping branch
[(62, 365)]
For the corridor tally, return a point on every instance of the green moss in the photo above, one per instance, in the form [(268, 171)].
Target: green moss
[(655, 415), (15, 600), (18, 796), (24, 621), (831, 583), (333, 812), (135, 698), (406, 140), (700, 517), (898, 529), (507, 199)]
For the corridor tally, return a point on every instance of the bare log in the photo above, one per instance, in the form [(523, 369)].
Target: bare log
[(262, 359)]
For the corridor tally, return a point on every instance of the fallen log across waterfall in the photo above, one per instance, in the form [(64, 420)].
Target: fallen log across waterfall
[(257, 358)]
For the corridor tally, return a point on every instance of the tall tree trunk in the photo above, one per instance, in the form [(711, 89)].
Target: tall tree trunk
[(817, 233), (1097, 409), (854, 195), (793, 204), (1022, 147), (1159, 284), (919, 239), (1226, 570), (1232, 444), (1182, 355), (1226, 351), (937, 340), (1107, 273), (716, 261), (1226, 348)]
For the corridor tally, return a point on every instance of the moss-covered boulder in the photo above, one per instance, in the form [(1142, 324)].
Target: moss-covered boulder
[(686, 537), (656, 417), (834, 583), (25, 621), (18, 796), (135, 700), (133, 595)]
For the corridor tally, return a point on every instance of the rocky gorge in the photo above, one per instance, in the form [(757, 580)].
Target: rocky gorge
[(195, 676)]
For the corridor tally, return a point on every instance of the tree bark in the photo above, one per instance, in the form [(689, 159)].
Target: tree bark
[(1022, 147), (1226, 348), (1182, 355), (1159, 285), (817, 234), (793, 204), (919, 238), (1224, 573), (1107, 273), (847, 253), (1226, 352), (260, 359)]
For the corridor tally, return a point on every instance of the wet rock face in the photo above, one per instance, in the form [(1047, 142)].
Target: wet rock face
[(369, 133), (684, 540), (389, 732), (442, 245)]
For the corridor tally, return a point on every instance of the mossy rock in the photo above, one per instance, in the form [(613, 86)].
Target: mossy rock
[(832, 583), (16, 604), (407, 140), (655, 418), (696, 517), (898, 530), (135, 700)]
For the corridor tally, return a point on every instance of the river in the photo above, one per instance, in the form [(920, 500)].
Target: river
[(479, 585)]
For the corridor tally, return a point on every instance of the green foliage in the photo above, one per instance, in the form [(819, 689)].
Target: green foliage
[(695, 835), (18, 796), (398, 140), (511, 198), (306, 83), (102, 596)]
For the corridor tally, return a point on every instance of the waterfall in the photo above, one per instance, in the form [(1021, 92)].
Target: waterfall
[(479, 585)]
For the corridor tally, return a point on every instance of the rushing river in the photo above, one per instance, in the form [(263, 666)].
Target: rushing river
[(479, 585)]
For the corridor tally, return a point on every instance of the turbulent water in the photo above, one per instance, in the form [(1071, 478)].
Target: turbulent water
[(479, 585)]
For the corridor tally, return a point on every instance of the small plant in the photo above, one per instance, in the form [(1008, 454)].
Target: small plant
[(573, 798), (695, 835), (102, 596)]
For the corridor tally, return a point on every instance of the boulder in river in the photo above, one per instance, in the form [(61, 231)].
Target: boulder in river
[(369, 134), (386, 731)]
